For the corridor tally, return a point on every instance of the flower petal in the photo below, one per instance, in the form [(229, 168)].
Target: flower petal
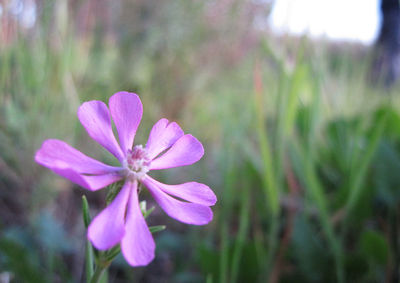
[(186, 212), (53, 151), (100, 181), (126, 110), (92, 183), (137, 245), (108, 228), (162, 136), (95, 117), (185, 151), (192, 192)]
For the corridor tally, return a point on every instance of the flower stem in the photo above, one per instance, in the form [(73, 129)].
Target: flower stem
[(99, 273), (89, 260)]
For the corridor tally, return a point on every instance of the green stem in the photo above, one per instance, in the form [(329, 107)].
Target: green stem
[(272, 243), (89, 260), (99, 272)]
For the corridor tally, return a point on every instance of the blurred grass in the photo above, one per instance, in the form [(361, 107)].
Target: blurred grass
[(302, 152)]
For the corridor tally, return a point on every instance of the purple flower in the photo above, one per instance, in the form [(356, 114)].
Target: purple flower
[(167, 147)]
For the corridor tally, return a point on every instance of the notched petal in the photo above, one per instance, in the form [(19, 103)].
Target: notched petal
[(126, 110), (185, 151), (191, 191), (95, 117), (186, 212), (162, 136)]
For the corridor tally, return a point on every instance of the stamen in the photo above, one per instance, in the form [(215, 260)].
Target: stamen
[(137, 163)]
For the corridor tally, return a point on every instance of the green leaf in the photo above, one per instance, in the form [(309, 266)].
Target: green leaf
[(358, 178), (158, 228), (112, 253), (147, 212), (313, 259), (21, 261), (114, 189), (85, 212), (375, 247), (385, 178), (143, 206)]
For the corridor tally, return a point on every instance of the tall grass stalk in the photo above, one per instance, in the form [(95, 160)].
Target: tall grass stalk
[(242, 231), (360, 170), (313, 185), (271, 192), (230, 181)]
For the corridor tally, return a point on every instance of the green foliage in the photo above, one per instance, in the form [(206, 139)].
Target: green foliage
[(20, 261), (374, 247)]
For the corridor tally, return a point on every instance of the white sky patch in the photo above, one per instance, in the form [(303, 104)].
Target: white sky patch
[(355, 20), (28, 15), (24, 11)]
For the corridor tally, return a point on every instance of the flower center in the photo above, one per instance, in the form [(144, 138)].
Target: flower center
[(137, 162)]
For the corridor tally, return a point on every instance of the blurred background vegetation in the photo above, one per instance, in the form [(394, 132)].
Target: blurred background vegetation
[(302, 146)]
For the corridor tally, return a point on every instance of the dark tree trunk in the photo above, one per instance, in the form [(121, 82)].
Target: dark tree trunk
[(387, 63)]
